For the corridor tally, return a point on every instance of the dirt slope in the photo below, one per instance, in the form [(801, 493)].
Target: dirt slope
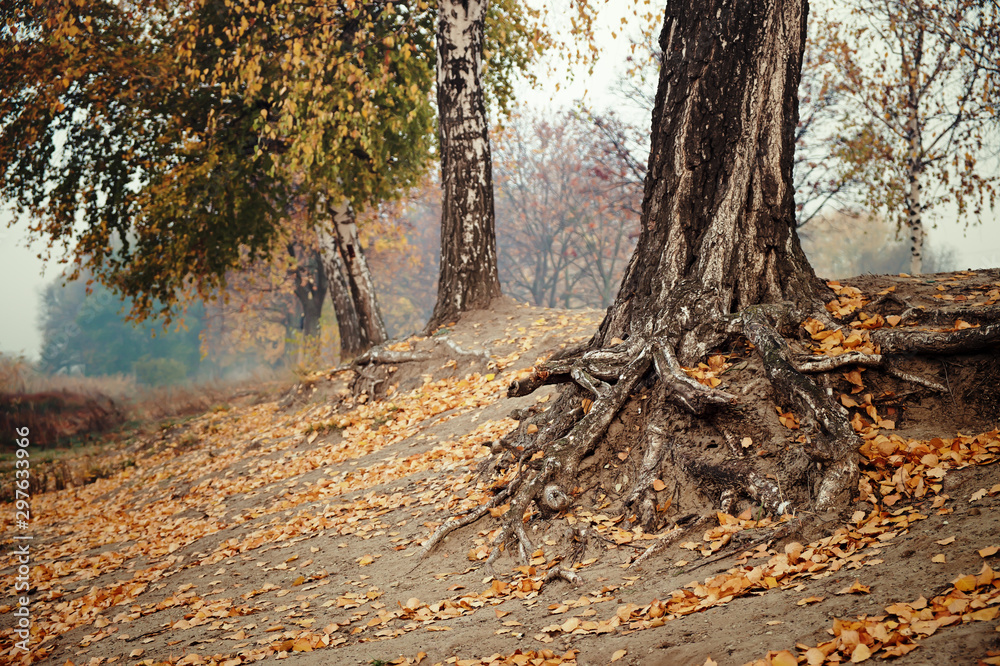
[(292, 530)]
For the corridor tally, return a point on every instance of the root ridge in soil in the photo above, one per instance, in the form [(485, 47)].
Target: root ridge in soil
[(769, 423)]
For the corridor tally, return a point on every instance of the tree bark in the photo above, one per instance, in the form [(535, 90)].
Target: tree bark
[(359, 275), (718, 218), (348, 323), (468, 277), (912, 196), (359, 319), (310, 287)]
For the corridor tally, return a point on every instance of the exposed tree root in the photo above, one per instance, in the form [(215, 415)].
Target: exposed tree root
[(667, 539), (818, 465), (744, 545), (370, 367), (455, 523), (568, 575), (946, 316), (912, 341), (835, 445), (859, 359), (642, 498), (681, 389)]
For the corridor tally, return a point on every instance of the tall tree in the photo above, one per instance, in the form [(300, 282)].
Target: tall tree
[(816, 179), (718, 264), (922, 98), (468, 271), (196, 128)]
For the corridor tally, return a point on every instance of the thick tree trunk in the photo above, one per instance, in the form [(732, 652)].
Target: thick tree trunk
[(359, 319), (468, 274), (718, 219), (718, 265)]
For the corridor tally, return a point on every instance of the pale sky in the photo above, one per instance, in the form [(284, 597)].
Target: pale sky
[(24, 275)]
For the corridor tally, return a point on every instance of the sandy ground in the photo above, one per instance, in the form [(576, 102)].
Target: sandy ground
[(292, 530)]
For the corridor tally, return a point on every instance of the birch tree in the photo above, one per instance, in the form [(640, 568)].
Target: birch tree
[(468, 276), (921, 90)]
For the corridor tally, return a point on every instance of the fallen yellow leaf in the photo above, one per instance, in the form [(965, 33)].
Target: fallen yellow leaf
[(861, 653), (784, 658), (618, 654), (809, 600), (856, 588)]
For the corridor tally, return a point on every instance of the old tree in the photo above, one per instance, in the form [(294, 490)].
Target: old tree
[(718, 269)]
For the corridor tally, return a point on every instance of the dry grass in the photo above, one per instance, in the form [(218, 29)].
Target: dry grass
[(73, 406), (70, 419)]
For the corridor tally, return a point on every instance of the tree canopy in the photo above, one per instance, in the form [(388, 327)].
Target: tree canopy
[(157, 142)]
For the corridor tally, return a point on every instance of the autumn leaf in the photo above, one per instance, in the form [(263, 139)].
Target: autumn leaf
[(783, 658), (860, 653), (618, 654), (855, 588), (809, 600)]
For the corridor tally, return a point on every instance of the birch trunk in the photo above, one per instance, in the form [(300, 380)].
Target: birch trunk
[(913, 203), (468, 277), (359, 276), (348, 322)]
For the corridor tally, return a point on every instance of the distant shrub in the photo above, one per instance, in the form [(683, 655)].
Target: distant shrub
[(54, 417), (159, 371)]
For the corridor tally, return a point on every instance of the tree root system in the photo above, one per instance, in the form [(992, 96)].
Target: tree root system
[(758, 427)]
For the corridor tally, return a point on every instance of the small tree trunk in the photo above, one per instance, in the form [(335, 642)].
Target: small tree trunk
[(913, 204), (468, 277), (310, 287), (359, 276), (348, 322)]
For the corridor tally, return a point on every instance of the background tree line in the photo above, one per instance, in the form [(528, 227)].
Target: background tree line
[(249, 179)]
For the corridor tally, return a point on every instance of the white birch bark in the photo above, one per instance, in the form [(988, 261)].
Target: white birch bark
[(468, 276), (359, 275), (913, 203), (348, 323)]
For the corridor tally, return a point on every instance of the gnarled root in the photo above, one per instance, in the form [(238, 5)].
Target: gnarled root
[(858, 359), (642, 498), (669, 538), (835, 444), (547, 448)]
